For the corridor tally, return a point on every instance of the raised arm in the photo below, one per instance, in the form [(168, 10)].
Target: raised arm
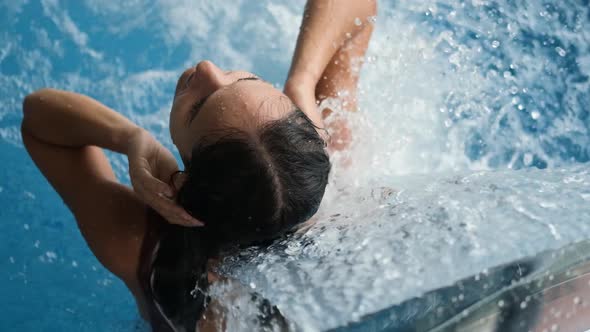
[(65, 119), (333, 35), (73, 120)]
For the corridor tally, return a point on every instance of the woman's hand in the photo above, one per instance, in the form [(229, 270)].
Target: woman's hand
[(303, 95), (150, 165)]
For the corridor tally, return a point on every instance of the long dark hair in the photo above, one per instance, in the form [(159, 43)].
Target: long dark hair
[(245, 187)]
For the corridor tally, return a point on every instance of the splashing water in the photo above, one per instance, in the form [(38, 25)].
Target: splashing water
[(470, 147), (455, 97)]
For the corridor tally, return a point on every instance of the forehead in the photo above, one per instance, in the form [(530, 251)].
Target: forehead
[(244, 105)]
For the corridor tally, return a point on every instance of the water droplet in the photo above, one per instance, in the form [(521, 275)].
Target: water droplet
[(501, 303), (523, 305), (26, 226), (372, 19), (348, 35), (252, 285), (357, 21), (577, 300), (495, 44), (560, 51), (535, 115), (51, 256), (527, 159)]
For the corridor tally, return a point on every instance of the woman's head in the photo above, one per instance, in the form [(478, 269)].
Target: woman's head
[(255, 166), (208, 99), (241, 139)]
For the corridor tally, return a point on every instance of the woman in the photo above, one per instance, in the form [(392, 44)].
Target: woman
[(254, 157)]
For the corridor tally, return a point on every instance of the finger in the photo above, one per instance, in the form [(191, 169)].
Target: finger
[(175, 214), (149, 186), (154, 185), (159, 196), (138, 178)]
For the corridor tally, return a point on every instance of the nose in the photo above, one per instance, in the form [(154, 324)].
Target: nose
[(209, 75)]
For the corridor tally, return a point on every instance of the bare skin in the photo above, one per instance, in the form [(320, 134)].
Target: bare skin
[(333, 35), (65, 134)]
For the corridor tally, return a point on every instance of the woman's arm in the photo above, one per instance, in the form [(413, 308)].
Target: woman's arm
[(331, 35), (328, 25), (64, 133), (109, 215), (73, 120), (333, 39)]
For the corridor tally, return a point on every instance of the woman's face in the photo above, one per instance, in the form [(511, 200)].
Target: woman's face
[(208, 99)]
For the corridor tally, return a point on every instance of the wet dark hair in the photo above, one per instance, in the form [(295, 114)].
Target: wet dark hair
[(246, 188)]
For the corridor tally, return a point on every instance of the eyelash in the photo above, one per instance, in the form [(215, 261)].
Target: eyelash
[(196, 107)]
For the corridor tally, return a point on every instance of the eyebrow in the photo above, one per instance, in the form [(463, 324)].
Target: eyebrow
[(196, 108)]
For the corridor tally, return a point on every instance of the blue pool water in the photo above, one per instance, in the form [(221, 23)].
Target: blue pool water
[(471, 150)]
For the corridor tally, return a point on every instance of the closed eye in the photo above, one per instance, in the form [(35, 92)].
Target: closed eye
[(196, 107)]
